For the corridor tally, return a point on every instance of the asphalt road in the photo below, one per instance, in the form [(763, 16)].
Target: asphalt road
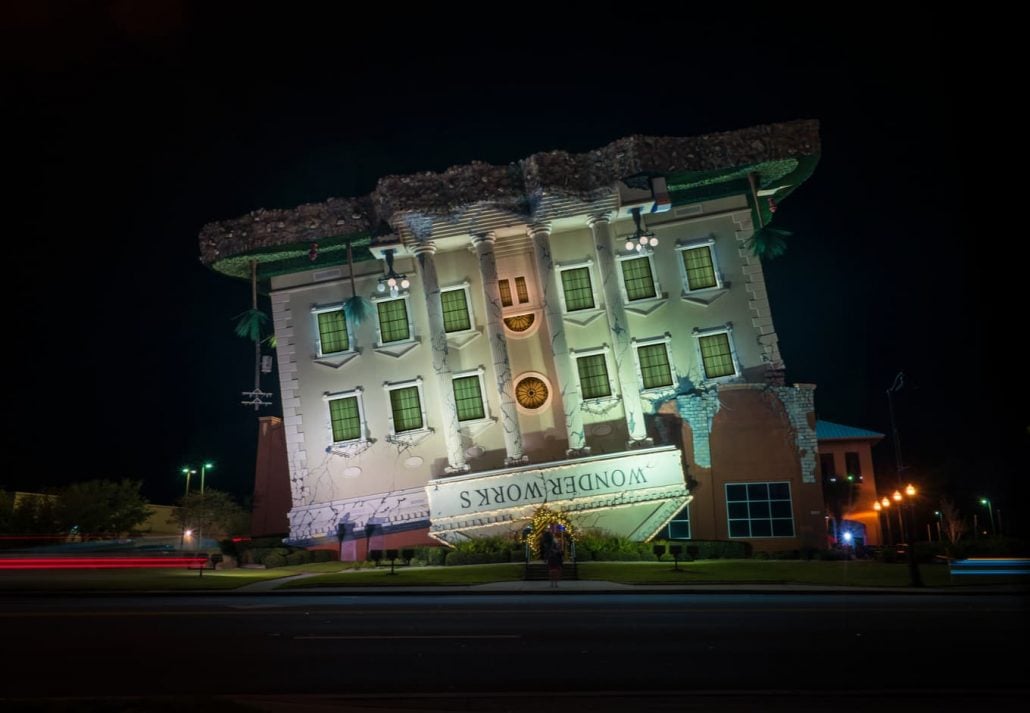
[(945, 648)]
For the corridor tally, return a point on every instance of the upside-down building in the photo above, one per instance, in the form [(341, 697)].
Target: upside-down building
[(590, 332)]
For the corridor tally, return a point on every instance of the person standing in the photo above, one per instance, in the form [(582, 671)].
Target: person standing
[(554, 563)]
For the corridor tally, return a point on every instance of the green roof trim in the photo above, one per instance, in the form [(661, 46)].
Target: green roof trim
[(285, 259)]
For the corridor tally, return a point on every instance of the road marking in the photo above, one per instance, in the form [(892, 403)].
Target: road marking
[(416, 636)]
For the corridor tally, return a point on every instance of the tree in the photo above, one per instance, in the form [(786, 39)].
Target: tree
[(213, 513), (954, 525), (100, 508)]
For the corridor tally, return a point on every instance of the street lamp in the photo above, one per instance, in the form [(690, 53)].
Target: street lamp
[(203, 469), (990, 511), (187, 471), (937, 514), (886, 518), (901, 525), (913, 568), (203, 513)]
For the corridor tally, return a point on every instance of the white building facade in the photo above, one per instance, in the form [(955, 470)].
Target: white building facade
[(525, 327)]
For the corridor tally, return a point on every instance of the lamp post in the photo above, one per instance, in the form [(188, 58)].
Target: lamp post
[(203, 470), (203, 513), (897, 497), (990, 511), (913, 569), (899, 381), (937, 513), (187, 471), (880, 509)]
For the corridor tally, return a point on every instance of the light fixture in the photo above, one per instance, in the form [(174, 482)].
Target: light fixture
[(392, 280), (641, 241)]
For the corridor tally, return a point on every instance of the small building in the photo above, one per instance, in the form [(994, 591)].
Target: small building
[(590, 332), (846, 465)]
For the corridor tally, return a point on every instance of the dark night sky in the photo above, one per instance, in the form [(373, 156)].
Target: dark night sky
[(134, 124)]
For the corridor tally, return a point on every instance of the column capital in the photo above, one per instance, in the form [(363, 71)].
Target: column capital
[(538, 230), (424, 247), (484, 239), (600, 218)]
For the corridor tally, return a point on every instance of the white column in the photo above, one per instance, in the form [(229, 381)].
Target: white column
[(565, 369), (622, 346), (438, 342), (484, 245)]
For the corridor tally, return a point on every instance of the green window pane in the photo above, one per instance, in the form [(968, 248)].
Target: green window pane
[(332, 332), (455, 311), (407, 409), (716, 354), (654, 366), (578, 292), (593, 376), (346, 419), (699, 267), (468, 398), (522, 290), (504, 287), (393, 320), (636, 274)]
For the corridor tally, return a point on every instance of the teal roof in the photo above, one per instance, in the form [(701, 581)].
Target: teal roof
[(829, 431)]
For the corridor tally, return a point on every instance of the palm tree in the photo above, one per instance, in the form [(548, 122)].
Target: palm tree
[(356, 309)]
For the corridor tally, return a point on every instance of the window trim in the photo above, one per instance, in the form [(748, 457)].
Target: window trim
[(589, 265), (466, 285), (708, 332), (689, 521), (666, 339), (322, 309), (411, 322), (480, 372), (745, 483), (358, 393), (408, 383), (604, 350), (658, 294), (683, 247)]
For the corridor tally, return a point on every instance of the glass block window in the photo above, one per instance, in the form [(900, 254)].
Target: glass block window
[(579, 293), (655, 371), (759, 510), (679, 526), (504, 287), (393, 320), (717, 355), (638, 278), (468, 397), (700, 269), (332, 332), (407, 409), (593, 376), (345, 417), (455, 310), (522, 290)]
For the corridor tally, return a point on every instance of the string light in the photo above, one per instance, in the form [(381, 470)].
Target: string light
[(543, 518)]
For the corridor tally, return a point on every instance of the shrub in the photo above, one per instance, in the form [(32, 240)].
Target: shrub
[(274, 560), (298, 557), (323, 556)]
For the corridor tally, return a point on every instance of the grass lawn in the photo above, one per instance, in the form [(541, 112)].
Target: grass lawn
[(132, 580), (413, 576)]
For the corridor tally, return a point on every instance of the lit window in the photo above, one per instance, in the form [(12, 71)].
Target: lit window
[(406, 406), (759, 510), (593, 376), (504, 287), (456, 316), (393, 320), (468, 397), (346, 416), (638, 278), (521, 290), (717, 355), (655, 369), (577, 289), (699, 267)]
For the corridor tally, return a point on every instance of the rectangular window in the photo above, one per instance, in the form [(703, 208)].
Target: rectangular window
[(393, 321), (407, 409), (522, 290), (332, 332), (345, 417), (679, 526), (468, 397), (504, 287), (828, 466), (593, 376), (759, 510), (455, 310), (700, 269), (717, 355), (638, 278), (655, 371), (852, 464), (579, 293)]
